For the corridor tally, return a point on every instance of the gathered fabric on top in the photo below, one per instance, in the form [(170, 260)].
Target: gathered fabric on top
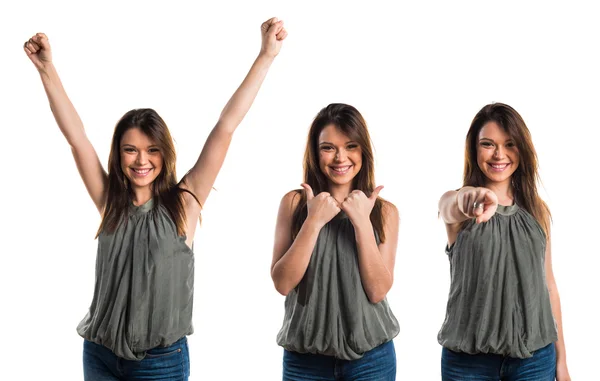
[(329, 312), (143, 295), (499, 301)]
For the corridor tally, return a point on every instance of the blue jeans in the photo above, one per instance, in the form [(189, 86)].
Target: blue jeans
[(170, 363), (489, 367), (378, 364)]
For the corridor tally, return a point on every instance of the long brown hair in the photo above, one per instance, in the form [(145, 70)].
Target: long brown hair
[(165, 188), (526, 176), (350, 122)]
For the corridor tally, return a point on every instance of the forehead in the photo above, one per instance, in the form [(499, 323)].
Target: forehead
[(134, 136), (491, 130), (333, 134)]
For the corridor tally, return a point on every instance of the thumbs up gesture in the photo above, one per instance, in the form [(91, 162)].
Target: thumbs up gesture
[(358, 206), (321, 208)]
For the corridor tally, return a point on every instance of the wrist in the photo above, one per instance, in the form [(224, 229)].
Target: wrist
[(362, 224), (266, 57), (45, 69), (313, 224)]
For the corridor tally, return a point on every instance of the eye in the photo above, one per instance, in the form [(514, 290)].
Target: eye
[(352, 146), (326, 148), (510, 145), (154, 150), (129, 149), (486, 144)]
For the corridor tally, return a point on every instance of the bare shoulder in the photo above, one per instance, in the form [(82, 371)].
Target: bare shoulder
[(389, 210), (290, 200)]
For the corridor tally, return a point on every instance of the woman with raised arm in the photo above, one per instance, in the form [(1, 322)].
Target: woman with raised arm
[(503, 319), (333, 258), (141, 311)]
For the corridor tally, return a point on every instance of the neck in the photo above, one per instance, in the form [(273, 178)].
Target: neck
[(340, 192), (141, 195), (504, 191)]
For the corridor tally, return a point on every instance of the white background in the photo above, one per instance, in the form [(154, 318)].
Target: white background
[(417, 72)]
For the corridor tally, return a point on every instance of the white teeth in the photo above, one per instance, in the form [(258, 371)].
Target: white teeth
[(341, 169), (141, 171)]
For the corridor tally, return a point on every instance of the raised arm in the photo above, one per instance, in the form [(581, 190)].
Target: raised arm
[(468, 202), (202, 176), (89, 166)]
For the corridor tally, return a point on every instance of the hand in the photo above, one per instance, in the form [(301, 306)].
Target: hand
[(479, 203), (38, 50), (358, 206), (562, 373), (273, 33), (321, 208)]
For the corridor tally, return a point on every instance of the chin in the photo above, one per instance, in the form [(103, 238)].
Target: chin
[(341, 181)]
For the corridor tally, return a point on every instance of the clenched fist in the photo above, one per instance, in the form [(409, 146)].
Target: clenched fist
[(321, 208), (479, 203), (273, 33), (38, 50)]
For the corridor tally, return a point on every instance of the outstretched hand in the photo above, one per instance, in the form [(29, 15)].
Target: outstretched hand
[(479, 203), (38, 50), (273, 33)]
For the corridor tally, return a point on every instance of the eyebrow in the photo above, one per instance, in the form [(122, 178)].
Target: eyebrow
[(509, 140), (131, 145), (348, 142)]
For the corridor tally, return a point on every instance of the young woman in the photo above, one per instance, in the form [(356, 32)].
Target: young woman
[(142, 306), (334, 253), (503, 319)]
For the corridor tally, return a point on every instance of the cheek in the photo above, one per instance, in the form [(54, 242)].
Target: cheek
[(482, 157), (357, 159), (324, 159), (124, 161)]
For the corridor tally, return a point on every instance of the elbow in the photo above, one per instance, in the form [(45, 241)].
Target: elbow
[(280, 285), (378, 294), (282, 290), (377, 297)]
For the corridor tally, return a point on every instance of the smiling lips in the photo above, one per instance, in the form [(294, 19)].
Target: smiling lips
[(498, 167), (340, 169), (141, 172)]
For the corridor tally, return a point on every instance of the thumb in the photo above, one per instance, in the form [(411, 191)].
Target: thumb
[(375, 193), (308, 190)]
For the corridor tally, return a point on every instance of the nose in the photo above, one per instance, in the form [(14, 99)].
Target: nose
[(499, 153), (141, 158), (340, 156)]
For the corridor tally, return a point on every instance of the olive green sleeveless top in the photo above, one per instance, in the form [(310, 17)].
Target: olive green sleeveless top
[(144, 285), (328, 312), (499, 301)]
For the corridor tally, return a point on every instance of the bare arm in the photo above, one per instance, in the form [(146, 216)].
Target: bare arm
[(562, 372), (376, 263), (202, 176), (291, 257), (86, 159)]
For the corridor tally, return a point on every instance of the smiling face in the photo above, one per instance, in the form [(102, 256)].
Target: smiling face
[(340, 158), (141, 159), (497, 153)]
